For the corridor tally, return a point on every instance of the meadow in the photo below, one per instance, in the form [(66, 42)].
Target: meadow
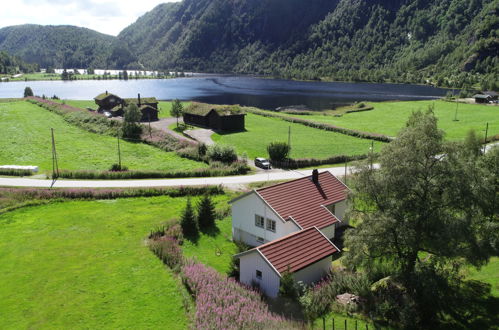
[(389, 117), (306, 142), (25, 140), (84, 264)]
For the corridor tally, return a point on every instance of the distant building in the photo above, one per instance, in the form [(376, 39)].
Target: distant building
[(115, 105), (219, 118), (485, 97)]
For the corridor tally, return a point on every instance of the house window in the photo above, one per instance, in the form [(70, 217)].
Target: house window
[(260, 239), (271, 225), (259, 221), (259, 274)]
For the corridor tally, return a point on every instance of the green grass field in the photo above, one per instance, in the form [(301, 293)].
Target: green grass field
[(306, 142), (25, 140), (85, 265), (489, 274), (389, 117)]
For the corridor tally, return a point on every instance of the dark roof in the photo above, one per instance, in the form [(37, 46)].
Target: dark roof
[(147, 106), (202, 109), (491, 93), (297, 250), (482, 96), (103, 96), (304, 201)]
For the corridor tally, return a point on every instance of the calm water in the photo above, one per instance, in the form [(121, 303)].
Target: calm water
[(220, 89)]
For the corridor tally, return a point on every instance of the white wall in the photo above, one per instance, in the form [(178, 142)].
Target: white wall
[(243, 221), (270, 281), (329, 231), (341, 207), (314, 272)]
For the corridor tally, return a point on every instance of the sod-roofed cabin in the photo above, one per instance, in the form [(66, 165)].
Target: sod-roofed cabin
[(109, 102), (218, 118), (148, 106)]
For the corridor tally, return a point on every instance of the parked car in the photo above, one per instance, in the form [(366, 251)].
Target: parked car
[(262, 163), (108, 114)]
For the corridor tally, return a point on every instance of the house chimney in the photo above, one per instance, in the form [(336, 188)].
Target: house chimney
[(315, 176), (138, 98), (106, 92)]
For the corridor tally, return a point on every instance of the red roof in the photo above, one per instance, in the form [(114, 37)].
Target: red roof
[(297, 250), (304, 201)]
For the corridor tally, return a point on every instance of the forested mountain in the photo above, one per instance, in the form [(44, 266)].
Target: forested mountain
[(12, 65), (64, 47), (453, 42)]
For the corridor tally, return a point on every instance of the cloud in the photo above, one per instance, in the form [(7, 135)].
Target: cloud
[(110, 16)]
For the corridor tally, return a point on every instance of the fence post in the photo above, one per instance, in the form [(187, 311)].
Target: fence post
[(345, 324), (333, 323)]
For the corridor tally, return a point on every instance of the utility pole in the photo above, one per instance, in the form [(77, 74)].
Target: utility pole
[(346, 165), (372, 153), (55, 164), (455, 114), (485, 141), (119, 151), (289, 137)]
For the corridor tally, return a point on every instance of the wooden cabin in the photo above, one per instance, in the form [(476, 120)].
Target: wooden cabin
[(115, 105), (218, 118)]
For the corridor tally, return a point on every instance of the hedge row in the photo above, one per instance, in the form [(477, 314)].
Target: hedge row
[(307, 162), (326, 127), (15, 172), (99, 193), (237, 168)]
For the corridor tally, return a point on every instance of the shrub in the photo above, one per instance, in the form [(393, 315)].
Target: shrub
[(168, 250), (118, 168), (188, 221), (308, 162), (206, 212), (28, 91), (222, 303), (288, 287), (224, 154), (278, 151), (131, 128)]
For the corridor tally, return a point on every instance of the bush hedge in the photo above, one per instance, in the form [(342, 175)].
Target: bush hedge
[(15, 172), (307, 162), (236, 168), (326, 127)]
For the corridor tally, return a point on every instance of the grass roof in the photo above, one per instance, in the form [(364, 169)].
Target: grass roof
[(142, 100), (102, 96), (202, 109)]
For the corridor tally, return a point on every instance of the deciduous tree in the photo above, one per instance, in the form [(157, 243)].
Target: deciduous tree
[(177, 109)]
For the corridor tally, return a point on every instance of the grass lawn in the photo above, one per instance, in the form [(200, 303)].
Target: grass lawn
[(389, 117), (488, 274), (84, 264), (25, 140), (306, 142)]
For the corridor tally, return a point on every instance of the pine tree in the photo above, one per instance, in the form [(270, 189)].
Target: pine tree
[(28, 92), (188, 221), (206, 213)]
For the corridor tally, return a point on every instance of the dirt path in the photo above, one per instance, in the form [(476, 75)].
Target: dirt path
[(163, 124), (201, 135)]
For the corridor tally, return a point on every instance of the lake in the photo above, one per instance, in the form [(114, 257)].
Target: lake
[(229, 89)]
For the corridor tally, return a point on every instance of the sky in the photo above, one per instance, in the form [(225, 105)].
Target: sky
[(105, 16)]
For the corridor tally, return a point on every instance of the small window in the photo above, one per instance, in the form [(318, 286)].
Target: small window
[(259, 274), (259, 221), (271, 225), (260, 239)]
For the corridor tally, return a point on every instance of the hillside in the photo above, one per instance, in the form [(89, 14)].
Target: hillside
[(448, 41), (12, 64), (64, 46)]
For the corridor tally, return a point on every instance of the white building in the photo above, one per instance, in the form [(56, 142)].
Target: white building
[(306, 254), (269, 213)]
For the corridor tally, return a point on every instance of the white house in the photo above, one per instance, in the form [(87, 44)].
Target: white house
[(269, 213), (306, 254)]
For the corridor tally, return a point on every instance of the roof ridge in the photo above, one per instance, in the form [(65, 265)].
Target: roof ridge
[(295, 180)]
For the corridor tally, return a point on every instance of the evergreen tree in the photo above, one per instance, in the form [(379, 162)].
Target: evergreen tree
[(188, 221), (206, 212), (28, 91)]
